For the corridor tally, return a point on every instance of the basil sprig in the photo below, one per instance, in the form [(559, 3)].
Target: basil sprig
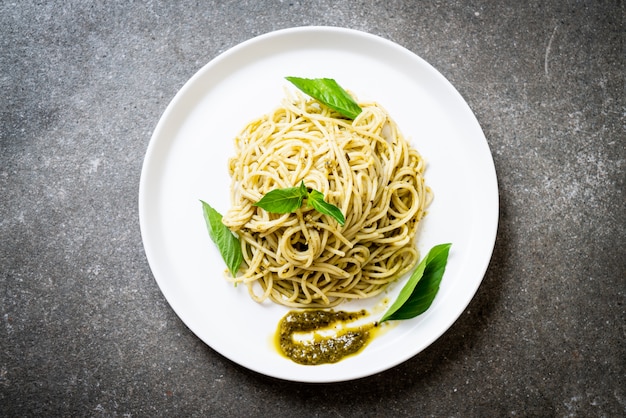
[(330, 93), (419, 292), (227, 243), (290, 199)]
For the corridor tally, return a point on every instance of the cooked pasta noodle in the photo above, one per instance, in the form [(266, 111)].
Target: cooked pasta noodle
[(365, 167)]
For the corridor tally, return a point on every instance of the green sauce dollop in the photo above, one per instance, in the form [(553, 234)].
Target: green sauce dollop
[(322, 349)]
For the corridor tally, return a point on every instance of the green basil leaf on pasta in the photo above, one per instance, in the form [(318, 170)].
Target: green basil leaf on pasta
[(419, 292), (316, 199), (227, 243), (330, 93), (286, 200), (290, 199)]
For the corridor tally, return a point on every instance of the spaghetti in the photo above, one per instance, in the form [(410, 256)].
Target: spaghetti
[(365, 167)]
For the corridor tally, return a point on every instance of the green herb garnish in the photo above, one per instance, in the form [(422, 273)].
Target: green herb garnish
[(316, 199), (290, 199), (283, 200), (327, 91), (419, 292), (227, 243)]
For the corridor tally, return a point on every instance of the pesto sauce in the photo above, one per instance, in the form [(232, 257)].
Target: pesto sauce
[(322, 349)]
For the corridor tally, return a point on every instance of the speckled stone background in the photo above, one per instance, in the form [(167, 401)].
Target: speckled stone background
[(85, 330)]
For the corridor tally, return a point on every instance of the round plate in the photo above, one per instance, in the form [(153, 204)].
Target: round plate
[(187, 160)]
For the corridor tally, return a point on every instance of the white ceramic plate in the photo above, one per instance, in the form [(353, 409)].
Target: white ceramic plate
[(187, 159)]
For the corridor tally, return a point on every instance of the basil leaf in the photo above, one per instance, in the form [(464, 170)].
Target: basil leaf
[(283, 200), (227, 243), (419, 292), (327, 91), (316, 199), (290, 199)]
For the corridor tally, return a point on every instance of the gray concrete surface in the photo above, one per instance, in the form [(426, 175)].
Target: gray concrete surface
[(85, 330)]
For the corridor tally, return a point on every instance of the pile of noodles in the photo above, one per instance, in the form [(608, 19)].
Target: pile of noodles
[(365, 167)]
